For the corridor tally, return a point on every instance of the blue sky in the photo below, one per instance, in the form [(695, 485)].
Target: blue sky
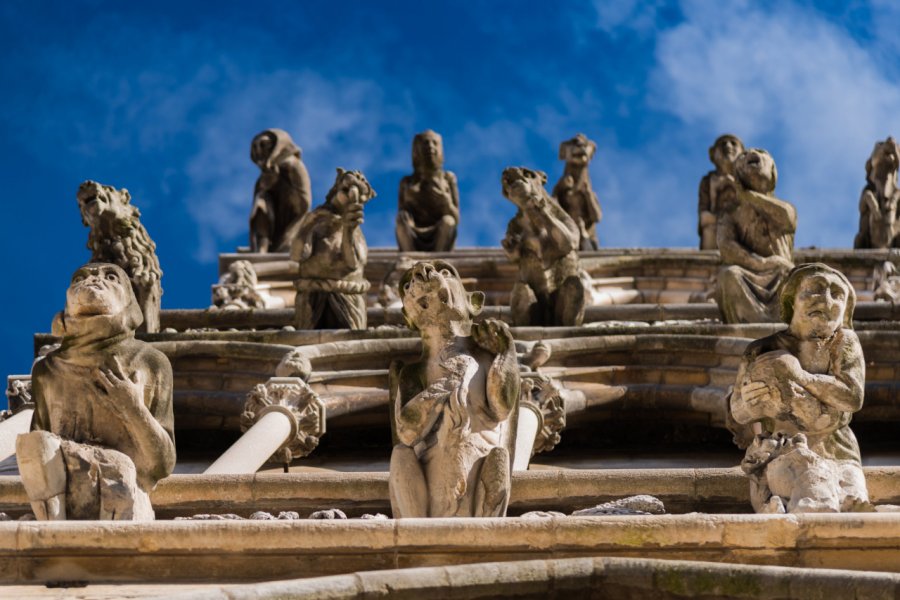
[(163, 98)]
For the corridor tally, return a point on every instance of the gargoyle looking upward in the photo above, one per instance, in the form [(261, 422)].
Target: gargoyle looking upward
[(454, 412), (543, 240), (573, 191), (283, 193), (878, 223), (118, 237), (428, 204), (102, 430)]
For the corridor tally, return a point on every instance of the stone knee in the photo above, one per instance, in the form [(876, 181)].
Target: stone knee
[(492, 493), (405, 240), (406, 484), (43, 471), (445, 234), (570, 302)]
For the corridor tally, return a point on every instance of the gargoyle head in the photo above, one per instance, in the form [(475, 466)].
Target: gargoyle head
[(817, 300), (433, 294), (102, 205), (756, 171), (520, 185), (885, 159), (725, 151), (102, 289), (428, 150), (577, 151)]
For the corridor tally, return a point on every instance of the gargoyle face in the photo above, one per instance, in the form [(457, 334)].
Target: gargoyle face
[(760, 453), (819, 306), (756, 170), (885, 158), (428, 150), (261, 148), (100, 203), (521, 184), (725, 151), (577, 151), (432, 291), (98, 289)]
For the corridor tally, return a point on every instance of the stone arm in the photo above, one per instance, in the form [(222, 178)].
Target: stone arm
[(704, 203), (733, 252), (265, 182), (153, 429), (844, 390), (402, 203), (512, 241), (353, 248), (416, 410), (299, 179), (593, 210), (742, 411), (778, 212), (503, 384), (40, 419), (868, 208), (549, 216), (454, 195)]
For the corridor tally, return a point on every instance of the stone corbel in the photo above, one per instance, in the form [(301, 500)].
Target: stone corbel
[(292, 397), (546, 398)]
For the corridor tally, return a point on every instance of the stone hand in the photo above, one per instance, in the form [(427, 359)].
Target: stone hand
[(117, 385), (353, 217), (457, 409), (493, 336), (756, 393)]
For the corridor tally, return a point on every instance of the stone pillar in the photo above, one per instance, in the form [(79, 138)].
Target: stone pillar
[(283, 419), (17, 419), (542, 417)]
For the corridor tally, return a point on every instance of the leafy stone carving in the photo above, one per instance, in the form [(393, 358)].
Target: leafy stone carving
[(294, 398)]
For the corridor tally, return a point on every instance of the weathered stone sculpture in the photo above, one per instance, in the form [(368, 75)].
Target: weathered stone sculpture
[(801, 387), (331, 254), (573, 191), (102, 430), (543, 240), (722, 153), (878, 223), (239, 289), (755, 234), (118, 237), (428, 206), (453, 412), (282, 195)]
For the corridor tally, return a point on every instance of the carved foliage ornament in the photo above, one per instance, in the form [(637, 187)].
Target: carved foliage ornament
[(294, 398), (545, 397)]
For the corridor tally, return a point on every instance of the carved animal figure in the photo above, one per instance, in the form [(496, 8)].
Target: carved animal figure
[(722, 153), (331, 254), (428, 204), (454, 412), (102, 431), (283, 193), (543, 240), (755, 235), (118, 237), (878, 225), (573, 191)]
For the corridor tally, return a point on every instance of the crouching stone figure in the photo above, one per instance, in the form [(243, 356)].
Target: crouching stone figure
[(102, 431), (454, 411), (799, 389)]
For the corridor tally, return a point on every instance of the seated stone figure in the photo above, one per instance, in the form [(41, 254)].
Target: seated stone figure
[(453, 412), (722, 154), (102, 430), (331, 252), (808, 379), (117, 236), (543, 240), (428, 206), (878, 223), (282, 194), (755, 234), (573, 191)]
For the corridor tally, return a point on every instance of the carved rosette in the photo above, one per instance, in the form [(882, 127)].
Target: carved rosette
[(293, 397), (546, 398), (18, 395)]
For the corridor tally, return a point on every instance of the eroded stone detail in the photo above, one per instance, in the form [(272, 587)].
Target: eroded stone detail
[(331, 253), (118, 237), (799, 388), (293, 397), (453, 412), (428, 205), (543, 395), (574, 192), (239, 288), (755, 234), (18, 394), (722, 153), (282, 194), (543, 241), (102, 430), (329, 514), (887, 282), (641, 504), (878, 223)]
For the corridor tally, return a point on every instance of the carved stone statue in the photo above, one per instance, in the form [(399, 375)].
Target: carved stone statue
[(799, 389), (573, 191), (282, 195), (239, 289), (453, 412), (331, 252), (428, 207), (722, 153), (118, 237), (543, 240), (878, 223), (755, 234), (102, 431)]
